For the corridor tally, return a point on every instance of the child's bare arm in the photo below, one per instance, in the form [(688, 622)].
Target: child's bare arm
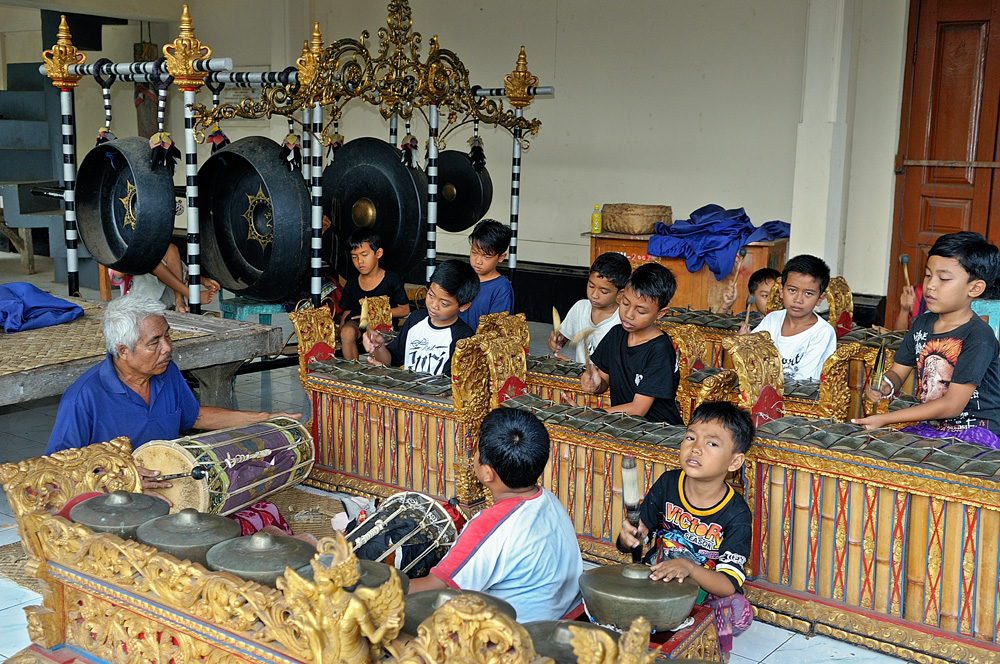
[(375, 346), (639, 406), (710, 581), (400, 311), (952, 404), (594, 380)]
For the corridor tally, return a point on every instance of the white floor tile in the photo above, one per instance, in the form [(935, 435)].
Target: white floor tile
[(8, 532), (759, 641), (737, 659), (14, 629), (819, 649), (12, 594)]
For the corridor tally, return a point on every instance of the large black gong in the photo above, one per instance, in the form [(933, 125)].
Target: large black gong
[(368, 186), (125, 210), (255, 220), (464, 195)]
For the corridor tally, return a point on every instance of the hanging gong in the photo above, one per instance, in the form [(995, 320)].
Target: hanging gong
[(255, 220), (368, 186), (124, 209), (464, 195)]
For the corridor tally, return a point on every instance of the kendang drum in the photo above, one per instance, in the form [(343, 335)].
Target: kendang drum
[(410, 530), (223, 471)]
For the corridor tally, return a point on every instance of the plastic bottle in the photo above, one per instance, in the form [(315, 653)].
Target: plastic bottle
[(595, 220)]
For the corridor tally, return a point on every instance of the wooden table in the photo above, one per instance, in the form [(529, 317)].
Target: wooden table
[(213, 357), (698, 289)]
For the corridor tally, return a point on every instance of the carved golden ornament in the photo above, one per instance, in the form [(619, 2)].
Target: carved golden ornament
[(834, 385), (888, 635), (394, 79), (129, 203), (774, 301), (468, 489), (466, 629), (379, 312), (312, 325), (253, 202), (757, 364), (58, 58), (689, 341), (517, 82), (503, 325), (181, 54), (596, 647), (48, 482)]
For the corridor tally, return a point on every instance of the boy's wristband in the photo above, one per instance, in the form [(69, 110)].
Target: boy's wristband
[(892, 388)]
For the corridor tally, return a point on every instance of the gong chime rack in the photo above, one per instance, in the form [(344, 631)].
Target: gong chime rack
[(324, 79)]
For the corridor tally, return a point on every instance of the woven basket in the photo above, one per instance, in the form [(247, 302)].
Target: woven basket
[(632, 218)]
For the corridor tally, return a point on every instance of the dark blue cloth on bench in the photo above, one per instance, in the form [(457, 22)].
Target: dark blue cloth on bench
[(26, 307)]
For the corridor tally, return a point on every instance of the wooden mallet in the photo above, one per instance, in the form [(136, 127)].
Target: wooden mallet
[(750, 302), (739, 262), (904, 260)]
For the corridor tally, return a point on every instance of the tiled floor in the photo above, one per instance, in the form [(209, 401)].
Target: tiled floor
[(26, 429)]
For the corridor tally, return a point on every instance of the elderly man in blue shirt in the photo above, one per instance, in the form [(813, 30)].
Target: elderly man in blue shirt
[(137, 391)]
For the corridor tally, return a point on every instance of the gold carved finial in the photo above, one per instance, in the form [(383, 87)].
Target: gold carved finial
[(517, 82), (309, 61), (183, 52), (58, 58)]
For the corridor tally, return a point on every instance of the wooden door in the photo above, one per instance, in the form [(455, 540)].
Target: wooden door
[(947, 160)]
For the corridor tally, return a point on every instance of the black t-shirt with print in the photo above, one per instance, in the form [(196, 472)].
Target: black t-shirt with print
[(968, 354), (426, 348), (717, 538), (390, 285), (649, 369)]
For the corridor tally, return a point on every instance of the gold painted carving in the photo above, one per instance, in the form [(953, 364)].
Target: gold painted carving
[(468, 489), (466, 629), (690, 344), (834, 387), (595, 647), (394, 79), (59, 58), (505, 326), (258, 199), (312, 326), (517, 82), (47, 483), (129, 203), (379, 312), (479, 368), (757, 364), (844, 624), (181, 54)]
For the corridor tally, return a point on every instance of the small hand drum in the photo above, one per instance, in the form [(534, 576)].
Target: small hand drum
[(239, 466), (413, 528)]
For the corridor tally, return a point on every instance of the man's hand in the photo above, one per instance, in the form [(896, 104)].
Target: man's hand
[(149, 482), (668, 570)]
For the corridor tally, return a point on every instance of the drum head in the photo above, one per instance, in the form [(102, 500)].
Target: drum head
[(464, 195), (170, 458), (368, 186), (255, 217), (124, 209)]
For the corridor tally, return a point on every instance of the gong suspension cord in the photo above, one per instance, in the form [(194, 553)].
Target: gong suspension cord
[(316, 244), (515, 191), (394, 130), (432, 189), (69, 184), (105, 84)]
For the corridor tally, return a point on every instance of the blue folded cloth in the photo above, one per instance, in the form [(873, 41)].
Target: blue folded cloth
[(26, 307), (712, 236)]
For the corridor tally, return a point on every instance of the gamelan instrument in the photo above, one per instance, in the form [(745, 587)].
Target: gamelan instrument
[(119, 512), (411, 530), (419, 606), (188, 534), (617, 594), (261, 557), (239, 465), (551, 638)]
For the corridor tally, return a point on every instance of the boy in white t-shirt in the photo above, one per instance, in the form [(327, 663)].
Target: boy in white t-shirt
[(523, 548), (803, 339), (608, 276)]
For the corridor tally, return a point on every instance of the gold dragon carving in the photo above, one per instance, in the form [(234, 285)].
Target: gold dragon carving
[(757, 364), (312, 325), (505, 326)]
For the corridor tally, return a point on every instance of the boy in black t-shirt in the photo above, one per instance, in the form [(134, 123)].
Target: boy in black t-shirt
[(700, 527), (427, 339), (954, 352), (371, 281), (636, 359)]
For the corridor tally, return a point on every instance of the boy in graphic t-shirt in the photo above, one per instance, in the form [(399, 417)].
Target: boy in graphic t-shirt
[(954, 352), (699, 526), (427, 339)]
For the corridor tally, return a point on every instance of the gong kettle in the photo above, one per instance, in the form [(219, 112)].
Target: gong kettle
[(189, 534), (419, 606), (120, 512), (261, 557), (615, 595)]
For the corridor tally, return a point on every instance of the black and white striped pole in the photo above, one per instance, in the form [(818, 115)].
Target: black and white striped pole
[(316, 243), (432, 191)]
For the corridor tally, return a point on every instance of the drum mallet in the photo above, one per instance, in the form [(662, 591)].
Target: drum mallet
[(196, 473), (630, 496), (904, 260)]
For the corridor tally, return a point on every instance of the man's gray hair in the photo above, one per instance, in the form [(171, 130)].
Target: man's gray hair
[(122, 318)]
